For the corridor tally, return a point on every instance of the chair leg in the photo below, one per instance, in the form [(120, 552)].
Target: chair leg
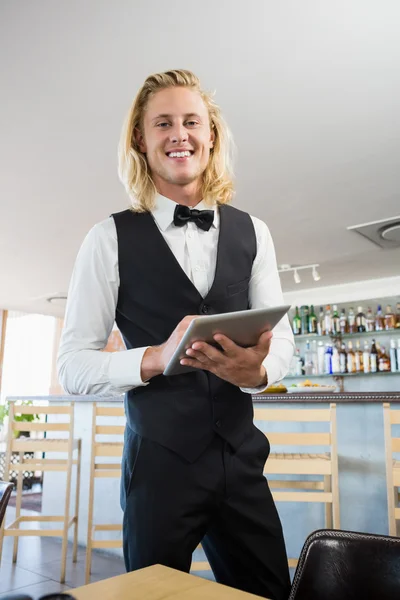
[(2, 537), (18, 506), (335, 503), (328, 505), (88, 566), (90, 523), (66, 520), (77, 492)]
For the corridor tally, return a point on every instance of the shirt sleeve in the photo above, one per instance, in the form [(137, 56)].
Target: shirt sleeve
[(264, 292), (89, 319)]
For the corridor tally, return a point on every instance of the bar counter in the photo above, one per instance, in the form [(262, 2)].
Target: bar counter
[(361, 448)]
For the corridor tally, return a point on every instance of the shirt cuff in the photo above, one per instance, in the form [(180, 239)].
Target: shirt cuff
[(272, 367), (124, 368)]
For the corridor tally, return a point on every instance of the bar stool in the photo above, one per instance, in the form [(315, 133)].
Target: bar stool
[(323, 464), (392, 445), (33, 457), (103, 446)]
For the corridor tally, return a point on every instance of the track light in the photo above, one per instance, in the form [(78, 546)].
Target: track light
[(315, 274), (285, 268)]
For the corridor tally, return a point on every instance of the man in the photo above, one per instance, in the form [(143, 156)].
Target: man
[(193, 460)]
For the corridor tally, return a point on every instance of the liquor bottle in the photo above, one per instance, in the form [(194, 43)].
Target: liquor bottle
[(308, 362), (351, 358), (304, 319), (297, 323), (351, 321), (321, 322), (335, 360), (328, 359), (384, 361), (335, 320), (359, 358), (398, 354), (373, 357), (344, 328), (370, 320), (321, 358), (379, 320), (314, 354), (328, 320), (299, 363), (394, 366), (343, 358), (312, 321), (390, 320), (397, 324), (366, 358), (360, 320)]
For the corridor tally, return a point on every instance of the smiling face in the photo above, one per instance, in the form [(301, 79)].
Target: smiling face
[(176, 138)]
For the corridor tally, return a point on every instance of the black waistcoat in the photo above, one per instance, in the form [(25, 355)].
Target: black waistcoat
[(181, 412)]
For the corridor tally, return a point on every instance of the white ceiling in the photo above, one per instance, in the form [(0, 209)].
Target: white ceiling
[(310, 89)]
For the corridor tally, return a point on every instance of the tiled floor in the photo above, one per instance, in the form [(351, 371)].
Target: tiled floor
[(37, 570)]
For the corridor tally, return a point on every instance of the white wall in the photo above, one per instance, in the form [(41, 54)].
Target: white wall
[(346, 292)]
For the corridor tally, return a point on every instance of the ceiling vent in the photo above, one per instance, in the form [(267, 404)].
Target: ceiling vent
[(384, 233)]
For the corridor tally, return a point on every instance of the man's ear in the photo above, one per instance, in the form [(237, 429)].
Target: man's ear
[(212, 136), (139, 139)]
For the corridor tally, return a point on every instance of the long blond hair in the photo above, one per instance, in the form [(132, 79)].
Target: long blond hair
[(133, 170)]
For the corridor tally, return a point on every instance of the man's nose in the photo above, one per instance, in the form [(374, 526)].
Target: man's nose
[(178, 133)]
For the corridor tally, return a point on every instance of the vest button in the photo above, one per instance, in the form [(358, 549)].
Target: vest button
[(218, 423), (205, 309)]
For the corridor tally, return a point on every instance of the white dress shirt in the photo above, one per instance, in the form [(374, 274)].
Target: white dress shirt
[(93, 295)]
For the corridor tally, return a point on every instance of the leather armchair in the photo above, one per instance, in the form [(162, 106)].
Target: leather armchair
[(345, 565)]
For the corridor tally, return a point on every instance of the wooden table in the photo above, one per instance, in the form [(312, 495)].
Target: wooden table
[(157, 583)]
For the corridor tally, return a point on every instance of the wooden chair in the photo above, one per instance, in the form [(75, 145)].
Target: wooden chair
[(100, 449), (301, 464), (33, 456), (392, 445), (5, 494), (200, 565)]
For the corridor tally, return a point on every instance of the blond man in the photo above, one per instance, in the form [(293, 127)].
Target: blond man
[(193, 459)]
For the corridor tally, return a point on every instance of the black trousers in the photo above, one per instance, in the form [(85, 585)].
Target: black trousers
[(222, 500)]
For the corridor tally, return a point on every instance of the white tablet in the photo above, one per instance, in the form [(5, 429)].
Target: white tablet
[(243, 327)]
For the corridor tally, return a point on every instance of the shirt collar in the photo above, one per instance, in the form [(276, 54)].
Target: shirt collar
[(163, 212)]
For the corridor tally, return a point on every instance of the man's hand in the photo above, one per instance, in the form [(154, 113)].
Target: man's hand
[(156, 358), (240, 366)]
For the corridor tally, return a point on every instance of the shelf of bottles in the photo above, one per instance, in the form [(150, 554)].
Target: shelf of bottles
[(329, 339)]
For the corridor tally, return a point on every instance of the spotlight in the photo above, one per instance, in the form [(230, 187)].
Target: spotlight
[(296, 276), (315, 274)]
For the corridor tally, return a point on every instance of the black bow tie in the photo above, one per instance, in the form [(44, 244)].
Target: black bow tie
[(202, 218)]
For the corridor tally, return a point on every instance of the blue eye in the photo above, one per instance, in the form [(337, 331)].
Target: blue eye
[(161, 125)]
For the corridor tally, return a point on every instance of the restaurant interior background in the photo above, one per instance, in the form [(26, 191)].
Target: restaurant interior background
[(311, 92)]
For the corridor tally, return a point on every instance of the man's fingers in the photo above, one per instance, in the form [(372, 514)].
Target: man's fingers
[(264, 341), (226, 344), (209, 351)]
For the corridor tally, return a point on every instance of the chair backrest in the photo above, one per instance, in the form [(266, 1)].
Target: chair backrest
[(5, 494), (54, 437), (392, 446), (298, 415), (289, 439), (346, 565), (107, 439)]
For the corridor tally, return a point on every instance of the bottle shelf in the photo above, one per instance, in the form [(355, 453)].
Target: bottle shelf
[(344, 336), (380, 373)]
